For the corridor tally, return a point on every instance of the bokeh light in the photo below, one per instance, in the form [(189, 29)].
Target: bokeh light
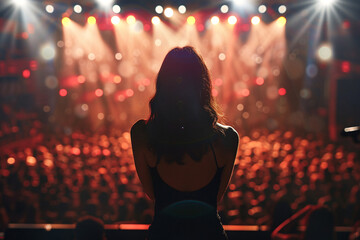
[(232, 20), (47, 51), (325, 52), (215, 20), (262, 9), (77, 8), (99, 92), (91, 20), (159, 9), (116, 9), (281, 21), (182, 9), (66, 21), (49, 8), (191, 20), (155, 20), (224, 8), (115, 20), (131, 20), (282, 91), (168, 12), (26, 73), (282, 9), (255, 20), (63, 92)]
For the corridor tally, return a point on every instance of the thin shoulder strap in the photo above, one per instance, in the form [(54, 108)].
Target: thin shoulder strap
[(212, 149)]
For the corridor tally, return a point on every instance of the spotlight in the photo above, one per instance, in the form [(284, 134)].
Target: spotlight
[(262, 9), (168, 12), (77, 8), (182, 9), (326, 3), (282, 9), (224, 8), (47, 51), (66, 21), (131, 20), (49, 8), (215, 20), (115, 20), (325, 52), (91, 20), (232, 20), (159, 9), (191, 20), (20, 3), (116, 9), (105, 3), (281, 21), (155, 20), (255, 20)]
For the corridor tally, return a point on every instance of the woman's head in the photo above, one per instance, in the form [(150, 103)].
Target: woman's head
[(183, 108), (183, 89)]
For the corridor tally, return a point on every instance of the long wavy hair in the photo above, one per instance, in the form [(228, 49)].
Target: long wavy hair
[(183, 111)]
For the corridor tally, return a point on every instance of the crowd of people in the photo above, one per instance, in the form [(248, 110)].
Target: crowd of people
[(67, 176)]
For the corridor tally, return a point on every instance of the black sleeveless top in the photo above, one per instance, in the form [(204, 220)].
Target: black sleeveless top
[(166, 195)]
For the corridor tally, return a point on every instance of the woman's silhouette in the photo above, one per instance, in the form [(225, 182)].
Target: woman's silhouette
[(183, 156)]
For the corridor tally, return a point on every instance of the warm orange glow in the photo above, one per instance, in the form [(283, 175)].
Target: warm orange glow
[(11, 160), (99, 92), (191, 20), (215, 20), (155, 20), (232, 20)]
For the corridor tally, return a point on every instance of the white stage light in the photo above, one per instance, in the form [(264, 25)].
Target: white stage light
[(49, 8), (115, 20), (105, 3), (20, 3), (325, 52), (47, 51), (326, 3), (224, 8), (77, 8), (159, 9), (262, 9), (168, 12), (116, 9), (282, 9), (155, 20), (182, 9), (215, 20)]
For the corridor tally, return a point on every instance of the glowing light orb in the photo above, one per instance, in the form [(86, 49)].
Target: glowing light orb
[(281, 21), (51, 82), (47, 51), (115, 20), (20, 3), (325, 52), (232, 20), (116, 9), (118, 56), (215, 20), (91, 20), (81, 79), (191, 20), (159, 9), (282, 91), (224, 8), (117, 79), (262, 9), (30, 161), (259, 81), (66, 21), (326, 3), (222, 56), (26, 73), (155, 20), (77, 8), (100, 116), (10, 160), (99, 92), (168, 12), (255, 20), (182, 9), (131, 20), (105, 3), (49, 8), (62, 92), (129, 93), (282, 9)]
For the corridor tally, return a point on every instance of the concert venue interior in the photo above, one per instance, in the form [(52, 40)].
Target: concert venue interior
[(76, 75)]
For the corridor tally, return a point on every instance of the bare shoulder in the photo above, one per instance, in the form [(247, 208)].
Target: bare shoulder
[(231, 137)]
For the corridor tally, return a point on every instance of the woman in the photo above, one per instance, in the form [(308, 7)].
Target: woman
[(183, 157)]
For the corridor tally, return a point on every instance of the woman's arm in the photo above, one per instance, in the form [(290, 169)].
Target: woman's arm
[(231, 143), (140, 148)]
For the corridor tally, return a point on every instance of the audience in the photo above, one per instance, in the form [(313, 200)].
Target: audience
[(68, 175)]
